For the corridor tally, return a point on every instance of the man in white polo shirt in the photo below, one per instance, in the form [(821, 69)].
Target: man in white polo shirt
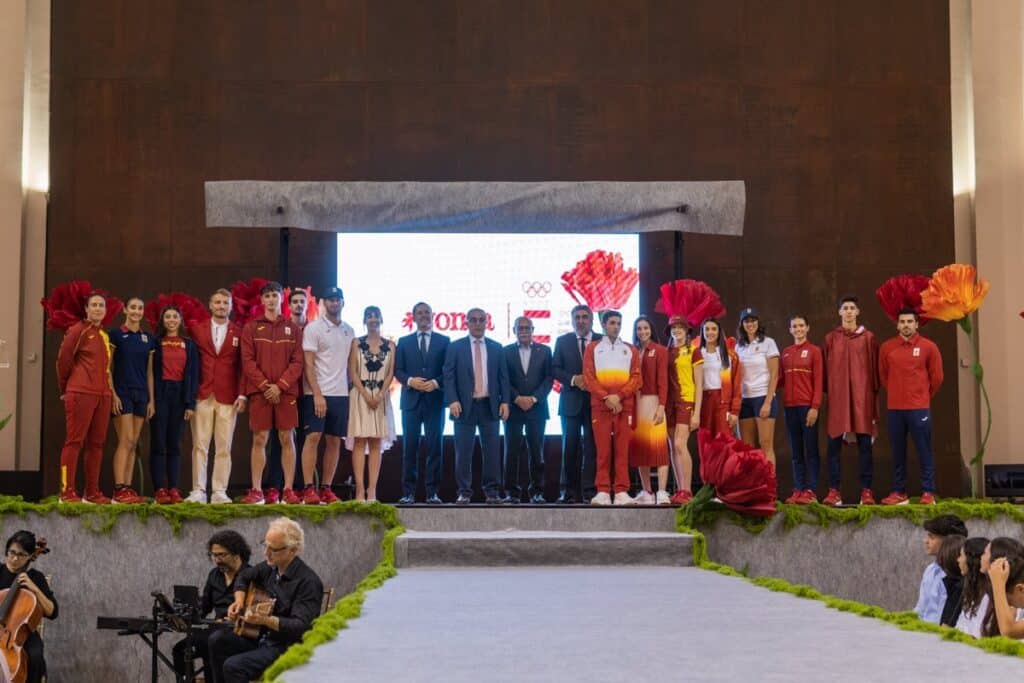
[(326, 343)]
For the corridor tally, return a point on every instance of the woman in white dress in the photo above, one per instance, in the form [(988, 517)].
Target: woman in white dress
[(371, 421)]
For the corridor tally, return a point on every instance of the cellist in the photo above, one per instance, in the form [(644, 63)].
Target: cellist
[(21, 547)]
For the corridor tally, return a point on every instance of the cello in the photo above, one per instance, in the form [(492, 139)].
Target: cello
[(20, 614)]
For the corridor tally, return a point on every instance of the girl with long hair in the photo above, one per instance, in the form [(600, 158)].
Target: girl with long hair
[(1006, 576), (997, 549), (133, 401), (718, 377), (176, 381), (649, 445), (682, 417), (974, 590)]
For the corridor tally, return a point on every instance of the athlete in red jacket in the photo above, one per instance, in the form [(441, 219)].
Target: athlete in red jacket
[(272, 368), (83, 375)]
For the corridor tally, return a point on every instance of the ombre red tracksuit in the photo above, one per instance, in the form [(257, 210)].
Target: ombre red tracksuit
[(611, 368), (83, 375)]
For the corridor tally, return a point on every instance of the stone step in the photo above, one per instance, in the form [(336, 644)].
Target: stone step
[(538, 518), (542, 548)]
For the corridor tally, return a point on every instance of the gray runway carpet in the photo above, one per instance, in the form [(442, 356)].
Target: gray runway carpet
[(624, 624)]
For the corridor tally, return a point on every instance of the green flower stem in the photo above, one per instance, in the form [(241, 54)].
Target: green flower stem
[(979, 374), (906, 621)]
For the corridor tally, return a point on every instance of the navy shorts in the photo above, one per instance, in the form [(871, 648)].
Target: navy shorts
[(133, 401), (334, 423), (751, 407)]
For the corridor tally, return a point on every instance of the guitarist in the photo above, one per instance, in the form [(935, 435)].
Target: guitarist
[(298, 593), (21, 549), (230, 554)]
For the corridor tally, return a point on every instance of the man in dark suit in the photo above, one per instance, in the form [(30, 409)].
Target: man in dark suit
[(419, 365), (574, 409), (476, 392), (529, 372)]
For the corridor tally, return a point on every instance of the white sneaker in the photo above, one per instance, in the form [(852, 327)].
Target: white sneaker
[(196, 496), (601, 498), (623, 498), (219, 497), (643, 498), (662, 498)]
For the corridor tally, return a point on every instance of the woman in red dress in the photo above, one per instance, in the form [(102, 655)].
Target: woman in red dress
[(649, 445)]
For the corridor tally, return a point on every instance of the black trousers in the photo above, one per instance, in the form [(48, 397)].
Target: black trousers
[(515, 442), (234, 659), (578, 472), (430, 420), (185, 668)]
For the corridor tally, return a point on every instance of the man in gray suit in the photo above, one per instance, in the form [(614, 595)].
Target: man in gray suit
[(530, 376)]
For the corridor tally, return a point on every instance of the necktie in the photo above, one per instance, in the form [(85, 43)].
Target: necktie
[(583, 345), (423, 344), (478, 369)]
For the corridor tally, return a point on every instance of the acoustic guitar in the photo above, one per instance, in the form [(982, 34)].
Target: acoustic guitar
[(257, 601)]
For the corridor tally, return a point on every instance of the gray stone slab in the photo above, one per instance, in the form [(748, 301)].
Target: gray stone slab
[(879, 563), (546, 518), (713, 207), (112, 574), (536, 548), (624, 624)]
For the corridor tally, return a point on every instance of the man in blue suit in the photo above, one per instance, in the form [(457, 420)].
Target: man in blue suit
[(574, 409), (529, 372), (476, 392), (419, 364)]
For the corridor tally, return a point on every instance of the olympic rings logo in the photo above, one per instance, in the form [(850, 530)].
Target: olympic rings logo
[(536, 289)]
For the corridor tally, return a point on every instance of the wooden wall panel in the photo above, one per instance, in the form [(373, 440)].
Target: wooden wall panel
[(836, 115)]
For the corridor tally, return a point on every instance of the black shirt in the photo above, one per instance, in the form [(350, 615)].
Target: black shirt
[(299, 593), (217, 594), (7, 578)]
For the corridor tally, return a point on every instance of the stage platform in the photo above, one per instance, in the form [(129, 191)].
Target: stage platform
[(620, 624), (511, 536)]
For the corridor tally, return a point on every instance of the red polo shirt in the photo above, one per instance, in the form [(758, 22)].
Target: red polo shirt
[(911, 372)]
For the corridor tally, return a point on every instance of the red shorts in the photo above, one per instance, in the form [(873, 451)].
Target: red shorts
[(264, 415), (682, 412)]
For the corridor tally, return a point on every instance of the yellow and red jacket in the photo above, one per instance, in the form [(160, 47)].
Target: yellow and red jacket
[(83, 362)]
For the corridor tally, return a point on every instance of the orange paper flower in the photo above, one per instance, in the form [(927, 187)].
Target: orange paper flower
[(954, 292)]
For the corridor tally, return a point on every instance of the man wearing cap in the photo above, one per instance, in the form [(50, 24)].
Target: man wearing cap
[(326, 343), (419, 368)]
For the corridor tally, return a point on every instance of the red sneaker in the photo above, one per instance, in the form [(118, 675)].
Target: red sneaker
[(866, 497), (175, 496), (120, 496), (327, 495), (833, 498), (681, 498), (796, 498), (132, 496), (809, 497), (896, 498), (309, 496), (927, 498), (272, 496), (96, 498), (69, 495), (289, 497), (162, 497), (254, 497)]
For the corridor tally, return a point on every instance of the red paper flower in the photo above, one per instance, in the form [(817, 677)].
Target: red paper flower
[(742, 477), (192, 309), (902, 291), (312, 308), (66, 305), (245, 300), (692, 300), (601, 281)]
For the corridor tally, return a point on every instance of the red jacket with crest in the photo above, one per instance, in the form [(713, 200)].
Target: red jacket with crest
[(220, 373)]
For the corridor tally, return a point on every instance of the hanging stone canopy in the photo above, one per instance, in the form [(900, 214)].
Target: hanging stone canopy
[(714, 207)]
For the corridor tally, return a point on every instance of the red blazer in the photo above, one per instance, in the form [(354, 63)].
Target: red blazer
[(220, 374)]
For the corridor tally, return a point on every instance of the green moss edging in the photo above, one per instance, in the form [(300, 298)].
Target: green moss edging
[(825, 516), (906, 621), (326, 627), (102, 518)]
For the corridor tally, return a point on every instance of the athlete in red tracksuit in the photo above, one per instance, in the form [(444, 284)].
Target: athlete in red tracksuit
[(272, 364), (83, 375), (611, 374)]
